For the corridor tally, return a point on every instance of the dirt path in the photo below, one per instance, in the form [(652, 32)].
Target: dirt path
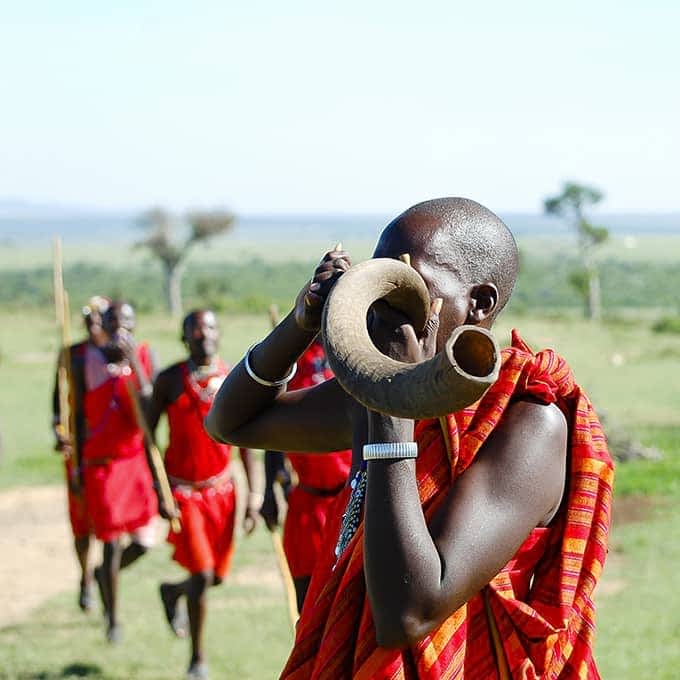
[(35, 544), (37, 560)]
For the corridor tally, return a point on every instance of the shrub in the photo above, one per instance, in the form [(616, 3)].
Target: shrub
[(667, 324)]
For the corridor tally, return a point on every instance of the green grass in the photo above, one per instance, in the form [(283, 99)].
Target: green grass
[(653, 478), (660, 248), (627, 370), (58, 641), (224, 249), (639, 600), (236, 273)]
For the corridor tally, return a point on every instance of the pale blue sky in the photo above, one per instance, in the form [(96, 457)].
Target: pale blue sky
[(297, 106)]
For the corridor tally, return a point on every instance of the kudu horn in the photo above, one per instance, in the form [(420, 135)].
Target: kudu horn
[(453, 379)]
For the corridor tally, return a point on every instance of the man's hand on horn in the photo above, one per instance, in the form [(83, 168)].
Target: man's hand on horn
[(310, 301), (393, 334)]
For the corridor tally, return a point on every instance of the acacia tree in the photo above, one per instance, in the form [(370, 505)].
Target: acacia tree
[(170, 239), (570, 204)]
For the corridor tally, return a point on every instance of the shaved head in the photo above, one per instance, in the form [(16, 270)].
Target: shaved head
[(458, 236)]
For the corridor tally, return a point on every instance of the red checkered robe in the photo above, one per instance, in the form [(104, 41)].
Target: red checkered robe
[(539, 607)]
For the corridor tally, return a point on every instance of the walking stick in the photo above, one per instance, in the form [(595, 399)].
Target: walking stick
[(156, 460), (281, 560), (286, 577), (67, 413)]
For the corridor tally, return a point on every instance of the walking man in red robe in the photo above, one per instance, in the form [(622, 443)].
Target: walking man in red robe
[(320, 479), (71, 449), (199, 472), (472, 542), (119, 488)]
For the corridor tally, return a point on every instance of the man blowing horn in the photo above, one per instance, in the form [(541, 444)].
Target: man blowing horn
[(470, 543)]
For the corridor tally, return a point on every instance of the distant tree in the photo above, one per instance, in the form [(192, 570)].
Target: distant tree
[(170, 239), (570, 204)]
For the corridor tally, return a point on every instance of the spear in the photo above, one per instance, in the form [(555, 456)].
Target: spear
[(66, 425), (156, 460)]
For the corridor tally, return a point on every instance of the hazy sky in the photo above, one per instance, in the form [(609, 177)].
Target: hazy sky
[(271, 106)]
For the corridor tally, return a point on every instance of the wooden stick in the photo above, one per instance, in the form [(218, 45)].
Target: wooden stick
[(156, 460), (279, 553), (67, 414), (286, 577), (274, 314), (58, 279)]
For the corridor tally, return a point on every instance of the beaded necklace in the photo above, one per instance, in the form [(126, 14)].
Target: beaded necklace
[(213, 375), (352, 516)]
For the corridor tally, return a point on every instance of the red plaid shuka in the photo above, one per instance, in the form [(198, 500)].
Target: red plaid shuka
[(537, 615)]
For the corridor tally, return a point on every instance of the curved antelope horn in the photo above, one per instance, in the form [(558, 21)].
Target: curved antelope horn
[(456, 377)]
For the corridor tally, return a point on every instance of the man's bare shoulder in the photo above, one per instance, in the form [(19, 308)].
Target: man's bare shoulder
[(527, 454), (172, 372), (546, 420), (169, 380)]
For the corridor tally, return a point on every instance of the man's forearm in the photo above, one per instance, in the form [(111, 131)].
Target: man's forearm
[(240, 397), (401, 562), (145, 385)]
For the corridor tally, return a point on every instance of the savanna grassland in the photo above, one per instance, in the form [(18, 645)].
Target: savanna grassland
[(629, 369)]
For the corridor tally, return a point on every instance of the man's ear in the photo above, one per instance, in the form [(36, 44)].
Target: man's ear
[(483, 302)]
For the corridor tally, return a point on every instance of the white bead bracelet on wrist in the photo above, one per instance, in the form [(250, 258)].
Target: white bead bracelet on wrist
[(390, 451), (262, 381)]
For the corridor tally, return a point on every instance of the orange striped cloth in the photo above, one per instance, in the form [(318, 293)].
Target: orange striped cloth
[(539, 607)]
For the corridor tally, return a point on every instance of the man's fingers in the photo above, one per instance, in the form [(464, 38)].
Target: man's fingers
[(337, 252), (329, 268), (249, 523), (432, 328), (325, 275), (312, 300), (433, 319)]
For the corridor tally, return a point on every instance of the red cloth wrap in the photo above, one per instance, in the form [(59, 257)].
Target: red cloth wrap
[(191, 454), (307, 513), (546, 630), (206, 540), (77, 503), (118, 484)]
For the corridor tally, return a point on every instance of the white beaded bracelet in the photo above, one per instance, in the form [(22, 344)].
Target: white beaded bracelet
[(390, 450), (267, 383)]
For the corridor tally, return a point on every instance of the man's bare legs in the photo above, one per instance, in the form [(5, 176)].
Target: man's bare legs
[(301, 586), (81, 545), (115, 559), (194, 588)]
